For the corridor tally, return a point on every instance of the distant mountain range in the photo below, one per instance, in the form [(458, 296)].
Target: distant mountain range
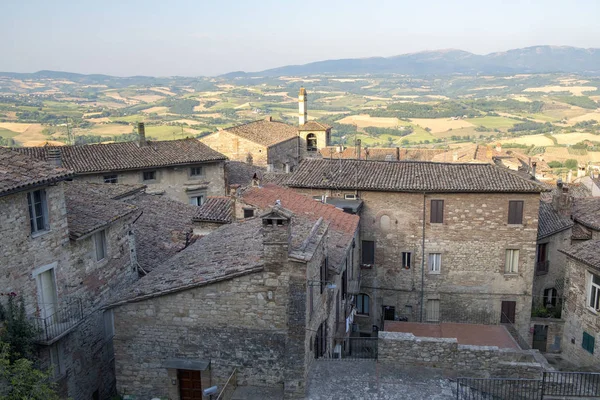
[(536, 59)]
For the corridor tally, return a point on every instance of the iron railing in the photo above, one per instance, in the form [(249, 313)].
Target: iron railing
[(541, 267), (554, 384), (361, 347), (229, 387), (59, 323)]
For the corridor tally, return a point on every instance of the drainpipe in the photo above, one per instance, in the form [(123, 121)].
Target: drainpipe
[(423, 259)]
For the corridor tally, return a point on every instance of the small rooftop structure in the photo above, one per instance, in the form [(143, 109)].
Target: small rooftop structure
[(215, 209)]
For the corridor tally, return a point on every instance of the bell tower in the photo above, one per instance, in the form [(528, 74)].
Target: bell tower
[(302, 107)]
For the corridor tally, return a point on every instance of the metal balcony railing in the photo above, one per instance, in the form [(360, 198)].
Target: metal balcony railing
[(541, 267), (62, 320)]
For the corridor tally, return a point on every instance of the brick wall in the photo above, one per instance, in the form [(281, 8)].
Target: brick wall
[(175, 182), (578, 317), (473, 361)]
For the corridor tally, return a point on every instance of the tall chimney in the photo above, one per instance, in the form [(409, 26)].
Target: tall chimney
[(141, 134), (580, 171), (455, 156), (569, 176), (302, 107), (358, 149), (55, 156), (397, 153), (533, 165), (561, 200), (499, 147), (276, 235)]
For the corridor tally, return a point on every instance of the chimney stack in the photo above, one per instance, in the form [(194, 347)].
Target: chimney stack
[(141, 134), (455, 156), (569, 176), (397, 153), (276, 235), (499, 147), (55, 156), (269, 119), (358, 149), (581, 171), (302, 107), (533, 165), (561, 200)]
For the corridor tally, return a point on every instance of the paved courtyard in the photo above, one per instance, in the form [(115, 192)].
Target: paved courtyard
[(367, 379)]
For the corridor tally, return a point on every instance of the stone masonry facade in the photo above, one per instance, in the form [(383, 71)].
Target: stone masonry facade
[(472, 240)]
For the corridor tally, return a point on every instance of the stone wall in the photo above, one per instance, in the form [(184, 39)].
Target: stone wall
[(557, 265), (283, 156), (554, 334), (85, 355), (578, 317), (472, 242), (175, 182), (445, 353)]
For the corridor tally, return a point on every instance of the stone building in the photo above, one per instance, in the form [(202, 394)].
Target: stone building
[(64, 250), (379, 153), (257, 296), (581, 311), (184, 170), (439, 242), (265, 143)]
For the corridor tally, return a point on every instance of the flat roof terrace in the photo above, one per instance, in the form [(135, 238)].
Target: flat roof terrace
[(469, 334)]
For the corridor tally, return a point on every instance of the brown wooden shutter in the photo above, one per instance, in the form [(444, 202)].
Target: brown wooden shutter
[(437, 211), (515, 212), (508, 312), (368, 252)]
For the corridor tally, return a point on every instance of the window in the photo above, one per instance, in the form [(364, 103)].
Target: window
[(594, 293), (437, 211), (406, 260), (433, 310), (38, 211), (197, 200), (47, 293), (311, 142), (550, 297), (541, 265), (109, 333), (196, 171), (318, 198), (362, 304), (248, 213), (515, 212), (56, 359), (508, 312), (385, 222), (435, 263), (111, 179), (323, 274), (149, 175), (368, 252), (344, 289), (350, 197), (588, 342), (100, 244), (511, 265)]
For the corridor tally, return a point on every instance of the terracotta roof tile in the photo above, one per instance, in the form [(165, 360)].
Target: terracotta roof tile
[(586, 211), (215, 209), (381, 153), (265, 132), (586, 252), (314, 126), (20, 172), (409, 176), (550, 221), (128, 155)]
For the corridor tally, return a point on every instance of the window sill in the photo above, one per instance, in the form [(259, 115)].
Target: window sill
[(515, 225), (591, 310), (434, 272), (361, 315), (511, 274), (367, 266), (40, 233), (150, 181)]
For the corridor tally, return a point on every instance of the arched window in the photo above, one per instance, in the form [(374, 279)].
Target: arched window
[(311, 142), (362, 304), (385, 222)]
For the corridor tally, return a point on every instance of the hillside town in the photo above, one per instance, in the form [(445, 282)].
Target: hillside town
[(262, 261)]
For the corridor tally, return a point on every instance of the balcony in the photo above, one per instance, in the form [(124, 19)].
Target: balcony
[(61, 321), (541, 267)]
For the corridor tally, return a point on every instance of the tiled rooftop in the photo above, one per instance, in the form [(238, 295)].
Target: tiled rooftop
[(265, 132), (409, 176), (550, 221), (576, 190), (586, 252), (314, 126), (341, 225), (586, 211), (215, 209), (128, 155), (380, 153), (89, 211), (20, 172)]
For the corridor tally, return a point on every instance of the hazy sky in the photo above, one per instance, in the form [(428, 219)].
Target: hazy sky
[(205, 37)]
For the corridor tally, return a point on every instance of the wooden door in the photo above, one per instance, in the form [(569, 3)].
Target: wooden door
[(508, 312), (540, 337), (190, 384)]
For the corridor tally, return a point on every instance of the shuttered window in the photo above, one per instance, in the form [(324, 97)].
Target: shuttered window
[(368, 252), (515, 212), (588, 342), (433, 310), (511, 265), (437, 211), (362, 304)]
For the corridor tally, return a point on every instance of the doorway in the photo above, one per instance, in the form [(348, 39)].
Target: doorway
[(508, 312), (540, 337), (190, 384)]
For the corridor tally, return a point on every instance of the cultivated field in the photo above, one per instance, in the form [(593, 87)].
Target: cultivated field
[(441, 124), (575, 137), (576, 90), (535, 140), (363, 121)]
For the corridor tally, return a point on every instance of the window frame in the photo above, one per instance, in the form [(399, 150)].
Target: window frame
[(99, 238), (194, 175), (112, 178), (588, 342), (439, 211), (154, 175), (406, 255), (33, 213), (512, 221), (431, 264), (429, 318), (362, 254), (250, 211), (200, 196), (360, 304), (593, 288), (512, 270), (311, 142)]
